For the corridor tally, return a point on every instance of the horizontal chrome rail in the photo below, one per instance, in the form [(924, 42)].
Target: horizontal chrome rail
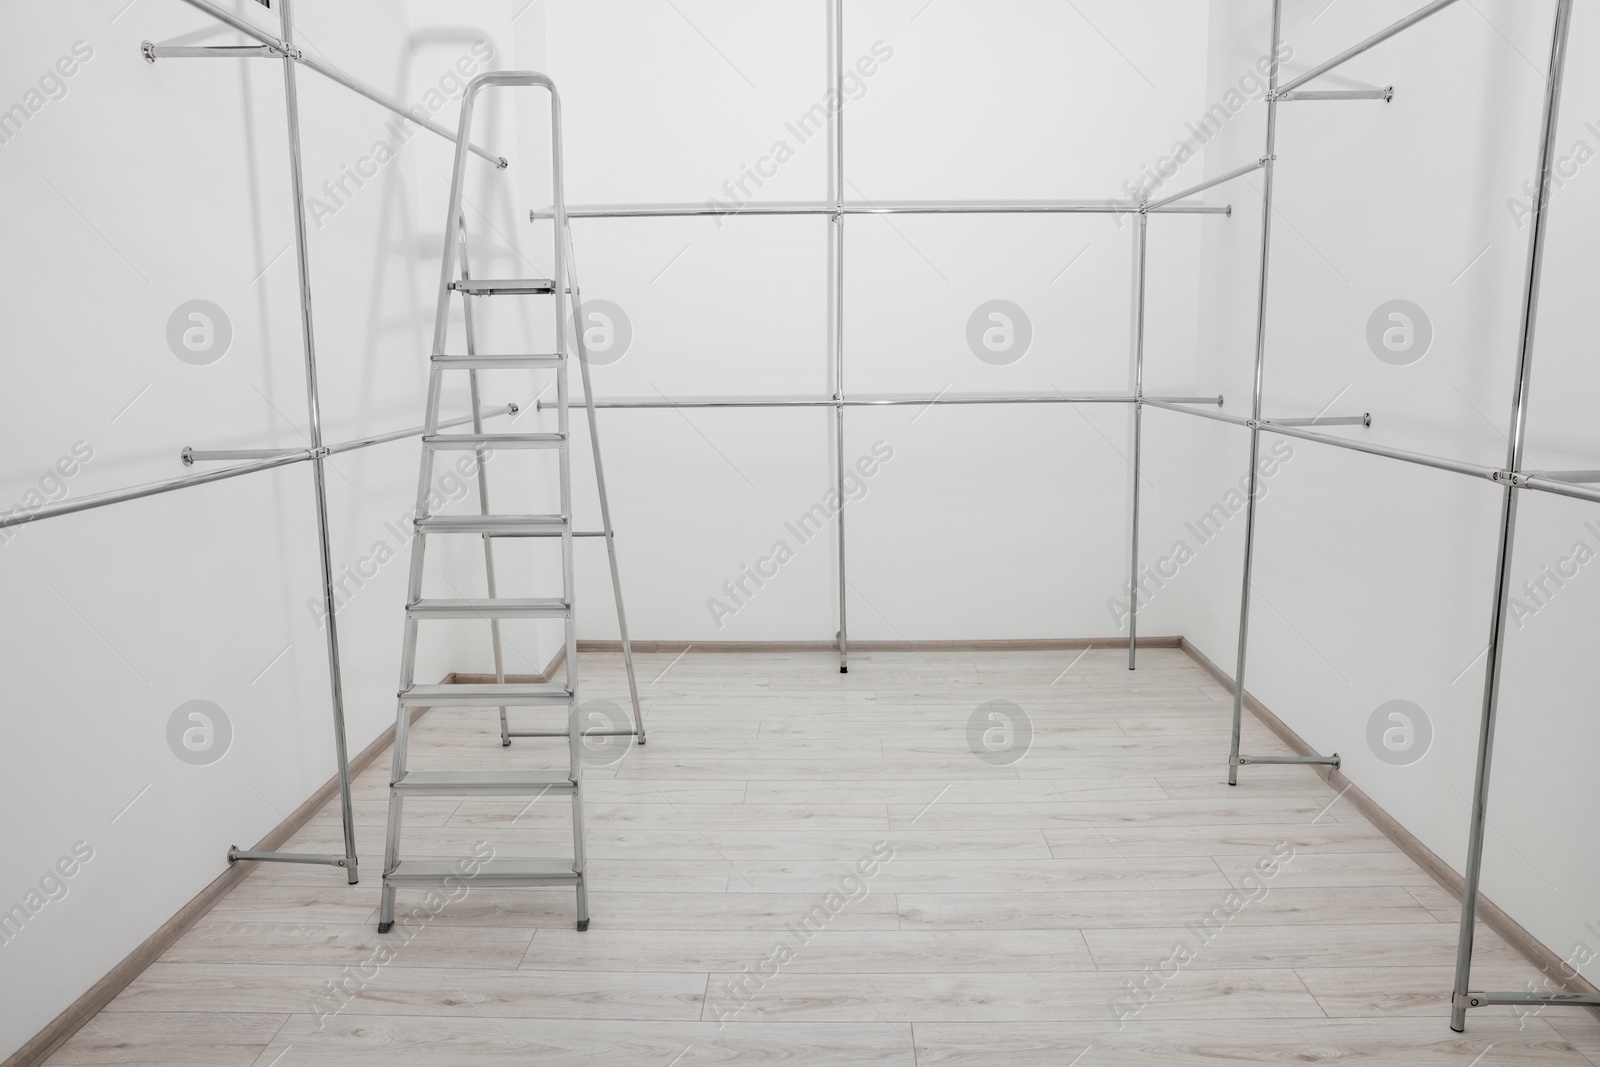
[(901, 207), (888, 401), (1386, 94)]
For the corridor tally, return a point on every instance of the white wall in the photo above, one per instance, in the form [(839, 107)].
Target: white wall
[(1373, 579), (138, 189), (974, 101)]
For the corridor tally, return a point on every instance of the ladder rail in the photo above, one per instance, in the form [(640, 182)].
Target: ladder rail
[(600, 478)]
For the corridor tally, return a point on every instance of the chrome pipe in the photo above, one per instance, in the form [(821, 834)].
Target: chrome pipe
[(1216, 416), (1284, 429), (1548, 484), (836, 139), (1237, 172), (191, 456), (889, 207), (1422, 459), (286, 47), (1364, 419), (1355, 50), (1385, 94), (1515, 445), (153, 52), (236, 854), (1254, 475), (139, 492), (899, 401), (330, 603), (1571, 476), (1479, 999), (1138, 428), (1330, 761)]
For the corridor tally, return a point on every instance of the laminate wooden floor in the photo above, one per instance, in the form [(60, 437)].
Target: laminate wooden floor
[(1019, 902)]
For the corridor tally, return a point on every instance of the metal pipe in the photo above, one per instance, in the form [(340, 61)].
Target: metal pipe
[(899, 401), (1422, 459), (1571, 476), (1478, 1000), (191, 456), (330, 603), (1515, 442), (286, 47), (1385, 94), (153, 52), (1547, 484), (1331, 761), (1364, 419), (890, 207), (1167, 404), (836, 137), (1267, 159), (236, 854), (1236, 172), (1376, 39), (139, 492), (1138, 428), (1283, 429)]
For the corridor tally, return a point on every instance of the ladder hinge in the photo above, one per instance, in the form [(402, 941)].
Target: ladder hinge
[(1466, 1000), (321, 453)]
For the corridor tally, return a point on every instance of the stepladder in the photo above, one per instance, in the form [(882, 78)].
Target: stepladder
[(470, 864)]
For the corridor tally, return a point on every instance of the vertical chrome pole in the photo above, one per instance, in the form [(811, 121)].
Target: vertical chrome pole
[(1508, 521), (600, 484), (314, 409), (837, 141), (1269, 161), (1138, 428), (483, 473)]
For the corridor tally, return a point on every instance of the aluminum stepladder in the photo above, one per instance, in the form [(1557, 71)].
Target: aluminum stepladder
[(499, 872)]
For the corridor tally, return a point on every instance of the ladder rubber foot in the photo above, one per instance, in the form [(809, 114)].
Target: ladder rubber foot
[(844, 670), (583, 924), (384, 928), (505, 742)]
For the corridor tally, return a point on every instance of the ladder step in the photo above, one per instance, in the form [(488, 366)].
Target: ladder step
[(503, 286), (490, 608), (494, 440), (481, 784), (499, 525), (489, 695), (500, 362), (493, 872)]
